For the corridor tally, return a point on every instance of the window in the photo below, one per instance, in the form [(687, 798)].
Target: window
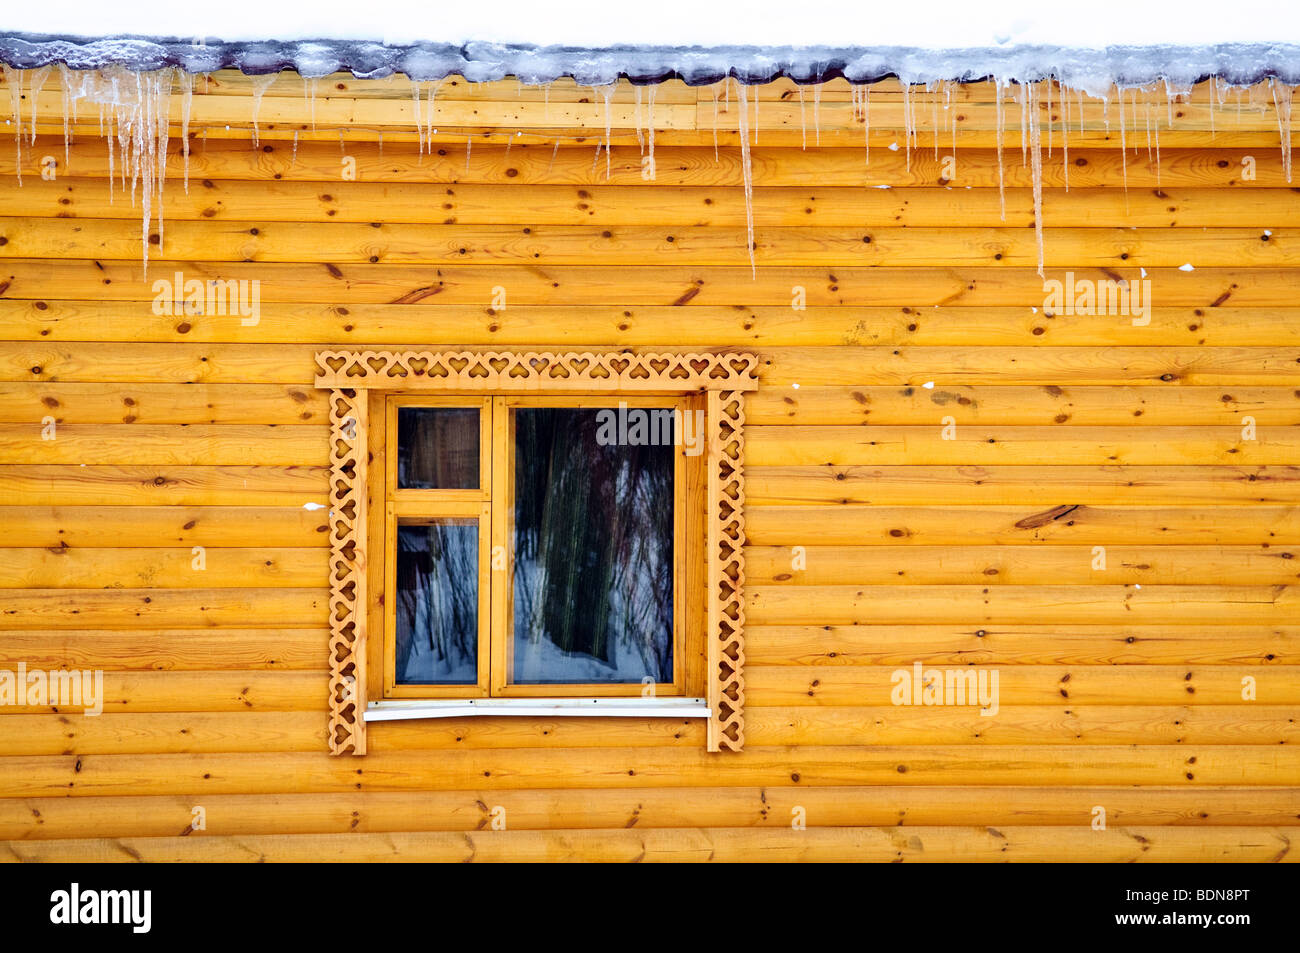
[(538, 546), (535, 533)]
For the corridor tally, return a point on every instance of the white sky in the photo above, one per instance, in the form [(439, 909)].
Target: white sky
[(593, 23)]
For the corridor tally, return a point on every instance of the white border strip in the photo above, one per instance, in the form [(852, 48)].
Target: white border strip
[(395, 710)]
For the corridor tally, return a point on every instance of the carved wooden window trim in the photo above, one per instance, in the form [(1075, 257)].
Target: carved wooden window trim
[(723, 377)]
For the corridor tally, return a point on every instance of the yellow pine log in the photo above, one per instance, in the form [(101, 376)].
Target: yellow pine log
[(1016, 565), (991, 605), (777, 367), (153, 526), (279, 731), (1043, 485), (679, 845), (1130, 407), (165, 733), (289, 84), (1198, 808), (179, 568), (1022, 724), (169, 650), (835, 122), (163, 444), (329, 111), (162, 608), (950, 440), (606, 205), (24, 401), (587, 326), (193, 691), (864, 245), (805, 767), (61, 485), (838, 686), (962, 645), (729, 286), (564, 89), (1066, 523), (1207, 163)]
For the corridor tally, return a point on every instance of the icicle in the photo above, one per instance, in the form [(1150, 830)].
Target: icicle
[(1001, 127), (609, 106), (1047, 86), (934, 118), (432, 114), (65, 82), (136, 131), (109, 138), (640, 139), (715, 125), (650, 128), (419, 125), (554, 152), (293, 158), (952, 118), (163, 114), (1156, 132), (1123, 147), (803, 119), (1146, 112), (39, 76), (757, 98), (309, 93), (1036, 156), (469, 146), (1214, 85), (260, 85), (1065, 136), (817, 107), (748, 173), (187, 97), (1024, 124), (143, 133), (1282, 97), (1135, 118), (595, 160), (14, 80), (866, 122), (907, 125)]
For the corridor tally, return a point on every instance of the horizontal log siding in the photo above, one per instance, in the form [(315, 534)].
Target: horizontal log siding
[(877, 538)]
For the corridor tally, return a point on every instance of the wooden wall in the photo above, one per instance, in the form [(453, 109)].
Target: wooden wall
[(1120, 689)]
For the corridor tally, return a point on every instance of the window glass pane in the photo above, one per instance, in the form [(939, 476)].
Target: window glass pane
[(437, 603), (593, 546), (437, 448)]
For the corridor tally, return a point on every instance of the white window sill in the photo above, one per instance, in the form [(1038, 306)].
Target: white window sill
[(397, 709)]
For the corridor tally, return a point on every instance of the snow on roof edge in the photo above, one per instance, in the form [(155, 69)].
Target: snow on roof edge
[(1091, 70)]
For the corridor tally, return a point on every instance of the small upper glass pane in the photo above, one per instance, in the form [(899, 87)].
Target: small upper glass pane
[(438, 448), (593, 546), (437, 603)]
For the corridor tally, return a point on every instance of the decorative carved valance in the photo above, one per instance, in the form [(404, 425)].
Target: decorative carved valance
[(723, 377)]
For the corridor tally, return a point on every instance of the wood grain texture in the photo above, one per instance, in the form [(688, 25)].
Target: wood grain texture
[(940, 468)]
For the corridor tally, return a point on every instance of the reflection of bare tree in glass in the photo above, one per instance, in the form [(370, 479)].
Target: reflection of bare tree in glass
[(437, 447), (437, 608), (593, 544)]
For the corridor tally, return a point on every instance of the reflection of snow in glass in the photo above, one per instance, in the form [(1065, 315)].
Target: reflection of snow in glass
[(437, 607), (593, 555)]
